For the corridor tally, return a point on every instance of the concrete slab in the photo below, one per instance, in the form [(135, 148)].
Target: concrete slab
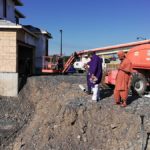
[(9, 84)]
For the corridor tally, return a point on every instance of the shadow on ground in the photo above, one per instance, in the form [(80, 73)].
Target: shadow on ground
[(132, 98), (104, 93)]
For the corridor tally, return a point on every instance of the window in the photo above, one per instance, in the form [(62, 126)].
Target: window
[(5, 8)]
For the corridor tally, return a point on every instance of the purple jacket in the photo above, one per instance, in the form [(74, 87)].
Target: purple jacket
[(96, 68)]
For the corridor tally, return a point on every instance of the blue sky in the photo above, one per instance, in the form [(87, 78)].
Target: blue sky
[(88, 24)]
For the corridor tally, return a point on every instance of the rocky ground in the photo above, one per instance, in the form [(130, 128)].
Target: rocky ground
[(52, 113)]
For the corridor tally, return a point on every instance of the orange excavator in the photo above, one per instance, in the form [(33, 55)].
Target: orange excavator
[(140, 58)]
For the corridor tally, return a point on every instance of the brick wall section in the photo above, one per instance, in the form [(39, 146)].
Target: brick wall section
[(8, 50)]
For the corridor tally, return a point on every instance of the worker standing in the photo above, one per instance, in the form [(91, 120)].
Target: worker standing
[(60, 63), (95, 74), (122, 80)]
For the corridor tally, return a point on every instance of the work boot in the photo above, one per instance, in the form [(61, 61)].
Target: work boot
[(124, 104), (88, 92), (117, 103)]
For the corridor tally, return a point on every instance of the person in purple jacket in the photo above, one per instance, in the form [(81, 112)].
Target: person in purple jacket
[(95, 74), (89, 88)]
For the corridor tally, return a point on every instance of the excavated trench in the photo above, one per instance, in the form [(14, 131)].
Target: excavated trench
[(52, 113)]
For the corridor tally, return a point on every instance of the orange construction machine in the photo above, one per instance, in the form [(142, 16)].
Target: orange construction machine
[(140, 58), (55, 64)]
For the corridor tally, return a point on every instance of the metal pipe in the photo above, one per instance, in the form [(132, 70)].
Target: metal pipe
[(60, 42)]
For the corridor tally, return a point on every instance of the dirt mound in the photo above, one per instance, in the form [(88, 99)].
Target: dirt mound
[(61, 117)]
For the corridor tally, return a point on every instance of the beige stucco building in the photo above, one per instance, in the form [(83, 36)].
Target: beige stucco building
[(18, 44)]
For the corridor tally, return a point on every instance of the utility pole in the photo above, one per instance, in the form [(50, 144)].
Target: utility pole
[(61, 42)]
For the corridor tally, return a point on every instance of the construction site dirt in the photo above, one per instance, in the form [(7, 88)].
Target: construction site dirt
[(52, 113)]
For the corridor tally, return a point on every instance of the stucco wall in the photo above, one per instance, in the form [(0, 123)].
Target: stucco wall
[(26, 37), (40, 50), (1, 9), (8, 84), (10, 11), (8, 51)]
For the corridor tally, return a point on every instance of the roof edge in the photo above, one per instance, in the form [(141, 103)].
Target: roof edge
[(18, 3), (117, 46), (17, 12)]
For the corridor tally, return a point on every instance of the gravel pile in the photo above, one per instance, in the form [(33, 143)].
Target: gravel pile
[(14, 115), (52, 113)]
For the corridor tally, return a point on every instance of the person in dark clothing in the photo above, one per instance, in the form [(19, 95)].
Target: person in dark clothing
[(95, 74), (60, 63), (89, 88)]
